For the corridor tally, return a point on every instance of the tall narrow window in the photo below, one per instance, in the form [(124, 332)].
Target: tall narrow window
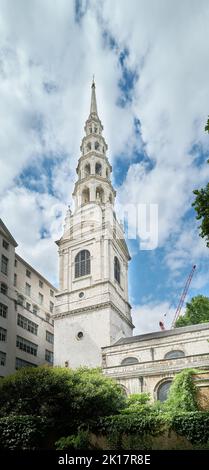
[(4, 264), (5, 244), (82, 263), (4, 288), (27, 289), (117, 269), (40, 298)]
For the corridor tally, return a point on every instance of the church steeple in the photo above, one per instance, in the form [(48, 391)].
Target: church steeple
[(93, 108), (93, 184), (92, 308)]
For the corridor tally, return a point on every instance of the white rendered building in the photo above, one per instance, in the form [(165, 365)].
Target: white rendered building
[(26, 307)]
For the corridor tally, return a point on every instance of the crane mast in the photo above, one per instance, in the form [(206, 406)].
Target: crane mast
[(181, 301), (183, 295)]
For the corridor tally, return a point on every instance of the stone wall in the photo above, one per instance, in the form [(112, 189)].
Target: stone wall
[(201, 381)]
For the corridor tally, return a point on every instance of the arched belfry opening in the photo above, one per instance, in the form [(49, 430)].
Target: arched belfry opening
[(87, 169), (99, 194), (98, 169), (85, 196)]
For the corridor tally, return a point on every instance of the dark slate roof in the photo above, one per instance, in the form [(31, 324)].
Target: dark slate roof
[(162, 334)]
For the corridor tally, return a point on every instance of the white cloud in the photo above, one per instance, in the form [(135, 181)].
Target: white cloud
[(146, 317), (46, 64), (27, 215)]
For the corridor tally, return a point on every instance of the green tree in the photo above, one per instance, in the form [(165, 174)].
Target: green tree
[(197, 311), (61, 395), (207, 126), (201, 206)]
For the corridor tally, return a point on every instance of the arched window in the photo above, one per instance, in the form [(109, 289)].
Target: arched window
[(85, 196), (129, 360), (174, 354), (99, 194), (89, 146), (98, 169), (107, 173), (117, 269), (82, 263), (110, 198), (87, 169), (163, 389), (96, 145)]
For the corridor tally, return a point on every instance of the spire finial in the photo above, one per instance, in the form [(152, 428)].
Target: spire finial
[(93, 108)]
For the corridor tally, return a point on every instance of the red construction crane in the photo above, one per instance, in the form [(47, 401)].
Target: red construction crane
[(183, 295), (181, 301)]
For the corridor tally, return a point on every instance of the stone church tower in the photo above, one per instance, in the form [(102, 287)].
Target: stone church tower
[(92, 305)]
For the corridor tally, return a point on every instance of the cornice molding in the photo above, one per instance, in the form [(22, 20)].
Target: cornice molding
[(93, 308)]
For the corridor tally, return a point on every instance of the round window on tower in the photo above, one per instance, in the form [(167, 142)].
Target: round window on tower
[(79, 335), (81, 294)]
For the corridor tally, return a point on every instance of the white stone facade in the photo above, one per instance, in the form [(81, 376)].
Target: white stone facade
[(26, 307), (144, 363)]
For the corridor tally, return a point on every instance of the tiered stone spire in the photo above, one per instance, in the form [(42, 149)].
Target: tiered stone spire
[(94, 169)]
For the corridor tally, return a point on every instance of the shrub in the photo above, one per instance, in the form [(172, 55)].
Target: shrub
[(64, 397), (21, 432), (74, 442), (138, 403), (194, 426)]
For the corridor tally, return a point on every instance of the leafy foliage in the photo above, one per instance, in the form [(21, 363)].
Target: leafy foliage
[(201, 205), (64, 397), (194, 426), (74, 442), (137, 403), (207, 126), (140, 423), (197, 311), (182, 395), (42, 403), (21, 432)]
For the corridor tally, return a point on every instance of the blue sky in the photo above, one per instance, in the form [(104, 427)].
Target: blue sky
[(150, 60)]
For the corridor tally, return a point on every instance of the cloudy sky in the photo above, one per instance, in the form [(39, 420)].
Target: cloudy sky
[(150, 60)]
